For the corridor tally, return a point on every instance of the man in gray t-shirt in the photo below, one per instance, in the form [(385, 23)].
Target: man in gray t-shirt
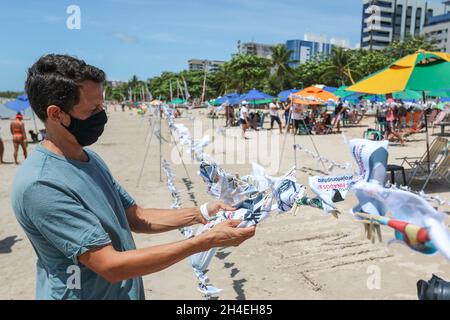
[(75, 214)]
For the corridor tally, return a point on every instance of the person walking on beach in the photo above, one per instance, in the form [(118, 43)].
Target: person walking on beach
[(287, 114), (244, 119), (2, 147), (275, 115), (18, 132), (78, 218), (297, 117), (338, 111)]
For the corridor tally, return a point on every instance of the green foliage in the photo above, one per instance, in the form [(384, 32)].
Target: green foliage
[(10, 94), (245, 72), (399, 49), (282, 75), (339, 68)]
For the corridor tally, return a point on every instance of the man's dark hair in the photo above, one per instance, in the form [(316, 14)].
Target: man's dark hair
[(55, 79)]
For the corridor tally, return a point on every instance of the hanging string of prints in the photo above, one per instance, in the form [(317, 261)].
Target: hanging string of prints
[(331, 163), (420, 227)]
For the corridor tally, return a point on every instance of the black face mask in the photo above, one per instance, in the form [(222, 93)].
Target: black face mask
[(89, 130)]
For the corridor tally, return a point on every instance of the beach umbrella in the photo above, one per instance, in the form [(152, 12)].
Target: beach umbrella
[(259, 102), (177, 101), (409, 95), (231, 98), (284, 95), (342, 93), (330, 89), (439, 94), (19, 105), (155, 103), (313, 96), (421, 71), (255, 95)]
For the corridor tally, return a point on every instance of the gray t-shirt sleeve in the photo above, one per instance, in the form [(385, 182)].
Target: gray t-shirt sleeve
[(125, 198), (61, 219)]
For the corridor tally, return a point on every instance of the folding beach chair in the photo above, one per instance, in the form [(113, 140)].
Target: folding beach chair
[(440, 171), (419, 165), (373, 134)]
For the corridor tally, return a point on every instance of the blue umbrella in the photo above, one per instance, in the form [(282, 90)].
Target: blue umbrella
[(254, 95), (231, 98), (330, 89), (284, 95), (235, 99), (18, 105)]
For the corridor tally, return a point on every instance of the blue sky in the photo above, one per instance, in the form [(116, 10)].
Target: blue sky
[(145, 37)]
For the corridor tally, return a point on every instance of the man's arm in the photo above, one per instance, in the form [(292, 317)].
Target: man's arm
[(117, 266), (161, 220)]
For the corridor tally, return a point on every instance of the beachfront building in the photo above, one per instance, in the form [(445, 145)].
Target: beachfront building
[(311, 45), (202, 64), (117, 83), (437, 29), (259, 49), (394, 20)]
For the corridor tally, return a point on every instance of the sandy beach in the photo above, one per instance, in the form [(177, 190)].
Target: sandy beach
[(308, 256)]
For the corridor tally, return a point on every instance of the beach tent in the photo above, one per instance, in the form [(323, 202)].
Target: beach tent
[(421, 71), (313, 96)]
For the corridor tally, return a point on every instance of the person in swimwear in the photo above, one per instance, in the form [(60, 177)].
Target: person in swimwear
[(2, 148), (19, 136)]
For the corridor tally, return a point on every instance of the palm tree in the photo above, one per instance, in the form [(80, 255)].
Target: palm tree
[(133, 84), (281, 70), (339, 69)]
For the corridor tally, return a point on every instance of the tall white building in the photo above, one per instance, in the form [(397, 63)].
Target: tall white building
[(391, 20), (259, 49), (437, 28), (209, 65)]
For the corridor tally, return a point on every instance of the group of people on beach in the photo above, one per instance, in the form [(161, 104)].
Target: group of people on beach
[(394, 119), (19, 138), (298, 118)]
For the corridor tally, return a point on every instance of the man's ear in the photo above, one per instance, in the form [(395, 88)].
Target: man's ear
[(54, 113)]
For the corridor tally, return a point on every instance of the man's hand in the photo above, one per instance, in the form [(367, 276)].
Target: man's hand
[(226, 234), (214, 208)]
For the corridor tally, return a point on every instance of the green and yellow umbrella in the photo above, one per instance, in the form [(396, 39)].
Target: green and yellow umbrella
[(421, 71)]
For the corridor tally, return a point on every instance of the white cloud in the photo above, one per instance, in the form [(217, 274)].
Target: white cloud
[(124, 37)]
